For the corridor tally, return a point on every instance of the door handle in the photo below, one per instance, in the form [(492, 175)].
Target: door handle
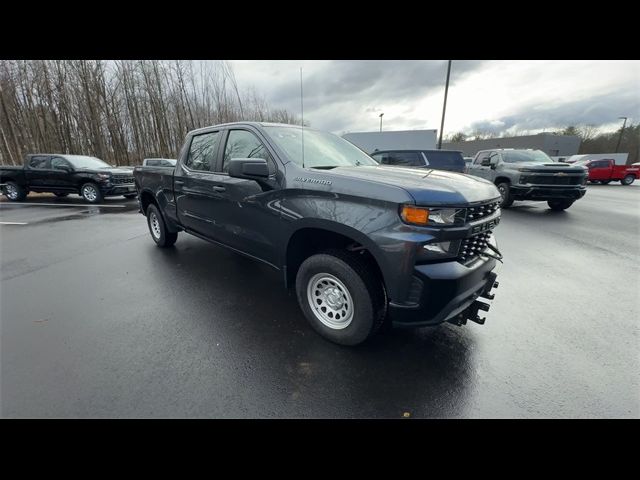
[(217, 188), (178, 182)]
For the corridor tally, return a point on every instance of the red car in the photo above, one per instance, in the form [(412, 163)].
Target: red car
[(605, 171)]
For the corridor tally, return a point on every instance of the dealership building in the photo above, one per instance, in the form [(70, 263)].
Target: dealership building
[(552, 145)]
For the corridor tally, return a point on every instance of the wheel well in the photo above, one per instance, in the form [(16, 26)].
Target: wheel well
[(309, 241), (147, 199), (502, 180)]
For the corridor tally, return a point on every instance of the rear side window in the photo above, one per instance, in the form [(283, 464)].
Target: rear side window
[(39, 162), (244, 144), (444, 159), (202, 151), (405, 159)]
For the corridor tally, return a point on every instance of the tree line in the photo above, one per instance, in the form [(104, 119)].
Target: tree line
[(591, 139), (119, 111)]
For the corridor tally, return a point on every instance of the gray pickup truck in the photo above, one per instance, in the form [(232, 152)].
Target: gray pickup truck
[(530, 175), (359, 242)]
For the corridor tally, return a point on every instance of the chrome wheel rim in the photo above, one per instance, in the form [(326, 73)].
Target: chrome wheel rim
[(89, 192), (154, 223), (502, 191), (12, 192), (330, 301)]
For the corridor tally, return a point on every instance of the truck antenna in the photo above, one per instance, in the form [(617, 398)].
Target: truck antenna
[(302, 116)]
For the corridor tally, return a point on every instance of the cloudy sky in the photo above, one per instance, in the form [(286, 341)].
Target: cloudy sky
[(489, 96)]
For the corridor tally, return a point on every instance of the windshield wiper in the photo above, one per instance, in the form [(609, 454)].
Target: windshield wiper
[(325, 167)]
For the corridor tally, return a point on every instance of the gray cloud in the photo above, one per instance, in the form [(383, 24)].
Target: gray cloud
[(598, 110)]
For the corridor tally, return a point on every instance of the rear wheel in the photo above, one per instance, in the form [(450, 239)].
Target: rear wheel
[(505, 193), (14, 192), (628, 180), (91, 193), (558, 205), (341, 296), (158, 228)]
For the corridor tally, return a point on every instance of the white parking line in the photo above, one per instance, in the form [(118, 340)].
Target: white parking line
[(14, 223), (88, 205)]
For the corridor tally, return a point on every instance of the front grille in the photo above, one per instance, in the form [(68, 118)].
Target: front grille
[(121, 180), (472, 247), (480, 211), (551, 179)]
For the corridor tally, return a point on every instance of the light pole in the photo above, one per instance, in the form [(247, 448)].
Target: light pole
[(444, 107), (381, 120), (624, 124)]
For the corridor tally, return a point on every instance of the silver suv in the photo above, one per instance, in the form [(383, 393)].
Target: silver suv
[(530, 175)]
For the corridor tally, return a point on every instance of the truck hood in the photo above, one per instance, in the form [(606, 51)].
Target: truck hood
[(428, 187), (111, 170), (546, 167)]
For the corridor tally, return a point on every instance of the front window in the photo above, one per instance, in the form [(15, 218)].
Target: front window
[(518, 156), (321, 149), (80, 161)]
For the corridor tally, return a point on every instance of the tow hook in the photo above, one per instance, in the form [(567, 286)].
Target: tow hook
[(471, 312)]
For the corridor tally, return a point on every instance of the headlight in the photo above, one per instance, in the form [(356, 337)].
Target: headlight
[(443, 216), (425, 216), (104, 176), (438, 251), (524, 169)]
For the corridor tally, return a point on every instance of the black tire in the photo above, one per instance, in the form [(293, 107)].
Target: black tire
[(61, 195), (505, 192), (161, 236), (14, 192), (364, 287), (628, 180), (559, 205), (91, 193), (131, 195)]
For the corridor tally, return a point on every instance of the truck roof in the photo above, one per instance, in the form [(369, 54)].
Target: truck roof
[(255, 124)]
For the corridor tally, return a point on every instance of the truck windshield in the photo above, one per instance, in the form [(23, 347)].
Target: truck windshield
[(80, 161), (321, 149), (516, 156)]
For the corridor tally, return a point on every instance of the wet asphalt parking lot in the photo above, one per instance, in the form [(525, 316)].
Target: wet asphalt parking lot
[(98, 322)]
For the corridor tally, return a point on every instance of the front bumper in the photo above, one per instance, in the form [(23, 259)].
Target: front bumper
[(445, 292), (122, 189), (547, 192)]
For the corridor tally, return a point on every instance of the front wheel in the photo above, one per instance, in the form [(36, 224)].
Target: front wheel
[(14, 192), (559, 205), (158, 228), (91, 193), (342, 296), (505, 193), (628, 180)]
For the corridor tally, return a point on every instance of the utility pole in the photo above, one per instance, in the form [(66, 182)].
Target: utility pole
[(381, 120), (624, 124), (444, 107)]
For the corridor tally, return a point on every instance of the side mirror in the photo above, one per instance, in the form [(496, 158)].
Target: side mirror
[(486, 162), (249, 168)]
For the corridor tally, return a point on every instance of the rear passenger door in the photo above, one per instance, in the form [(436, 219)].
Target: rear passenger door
[(39, 172), (193, 184)]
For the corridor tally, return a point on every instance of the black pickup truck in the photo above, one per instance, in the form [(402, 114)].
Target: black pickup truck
[(64, 174), (360, 242)]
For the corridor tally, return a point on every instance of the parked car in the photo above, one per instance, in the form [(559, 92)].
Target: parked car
[(449, 160), (159, 162), (89, 177), (358, 241), (530, 175), (606, 171)]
